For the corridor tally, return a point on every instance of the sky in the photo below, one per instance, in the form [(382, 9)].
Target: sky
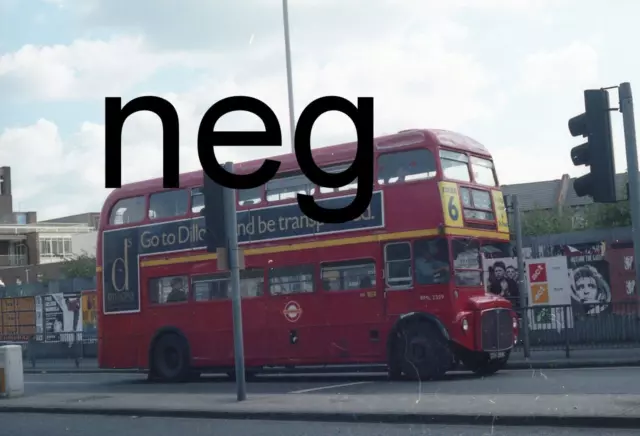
[(508, 73)]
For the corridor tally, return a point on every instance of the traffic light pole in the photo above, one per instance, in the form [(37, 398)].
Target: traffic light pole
[(523, 289), (230, 220), (626, 107)]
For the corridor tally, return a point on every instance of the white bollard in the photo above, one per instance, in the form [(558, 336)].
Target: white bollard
[(11, 371)]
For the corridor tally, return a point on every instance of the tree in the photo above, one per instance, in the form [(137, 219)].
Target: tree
[(546, 222), (594, 216), (83, 265)]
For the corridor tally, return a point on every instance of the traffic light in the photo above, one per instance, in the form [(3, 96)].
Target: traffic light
[(597, 152), (213, 213)]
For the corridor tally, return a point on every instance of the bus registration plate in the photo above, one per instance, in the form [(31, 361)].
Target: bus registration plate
[(497, 355)]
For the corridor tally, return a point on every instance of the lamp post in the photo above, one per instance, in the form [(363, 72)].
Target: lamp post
[(287, 49)]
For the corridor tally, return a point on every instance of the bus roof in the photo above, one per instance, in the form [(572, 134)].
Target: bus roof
[(334, 154)]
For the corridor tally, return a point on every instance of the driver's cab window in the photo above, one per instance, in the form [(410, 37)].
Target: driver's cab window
[(431, 261), (466, 262)]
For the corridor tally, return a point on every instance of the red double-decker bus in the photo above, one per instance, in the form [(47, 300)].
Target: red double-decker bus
[(402, 285)]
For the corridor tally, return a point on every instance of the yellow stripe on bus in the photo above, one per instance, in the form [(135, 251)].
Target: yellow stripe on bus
[(330, 243)]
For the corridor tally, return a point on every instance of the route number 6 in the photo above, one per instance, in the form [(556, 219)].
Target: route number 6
[(454, 213)]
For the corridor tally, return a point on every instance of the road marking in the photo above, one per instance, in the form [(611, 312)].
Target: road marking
[(600, 368), (58, 383), (304, 391)]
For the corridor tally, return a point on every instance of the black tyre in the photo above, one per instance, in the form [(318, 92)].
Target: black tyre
[(170, 359), (394, 359), (423, 352), (394, 372), (482, 364)]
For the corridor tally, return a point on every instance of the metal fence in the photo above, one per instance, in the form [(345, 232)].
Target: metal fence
[(65, 286), (57, 350), (562, 329), (579, 327)]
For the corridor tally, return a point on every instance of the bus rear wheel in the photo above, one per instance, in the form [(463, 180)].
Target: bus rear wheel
[(423, 353), (170, 359)]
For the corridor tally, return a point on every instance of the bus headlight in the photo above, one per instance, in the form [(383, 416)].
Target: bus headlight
[(465, 324), (515, 323)]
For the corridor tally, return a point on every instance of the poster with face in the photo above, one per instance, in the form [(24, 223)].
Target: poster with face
[(501, 278), (590, 289), (62, 317), (546, 283)]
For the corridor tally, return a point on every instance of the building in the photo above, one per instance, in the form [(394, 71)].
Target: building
[(556, 195), (28, 245)]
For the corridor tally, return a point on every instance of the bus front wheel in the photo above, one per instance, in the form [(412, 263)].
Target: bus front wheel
[(422, 352), (170, 359)]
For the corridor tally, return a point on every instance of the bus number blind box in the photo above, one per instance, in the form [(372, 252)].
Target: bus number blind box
[(11, 374)]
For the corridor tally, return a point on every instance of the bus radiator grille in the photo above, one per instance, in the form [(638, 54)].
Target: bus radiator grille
[(497, 330)]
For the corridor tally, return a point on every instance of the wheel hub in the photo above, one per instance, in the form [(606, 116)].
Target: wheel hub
[(418, 351), (172, 358)]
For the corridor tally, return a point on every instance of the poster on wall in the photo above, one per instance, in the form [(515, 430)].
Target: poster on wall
[(549, 293), (89, 321), (547, 284), (62, 317), (590, 284), (501, 278), (17, 319)]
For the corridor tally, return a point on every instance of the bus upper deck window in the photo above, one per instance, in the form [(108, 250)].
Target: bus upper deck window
[(197, 200), (483, 171), (168, 204), (406, 166), (455, 165), (247, 197), (288, 187), (128, 210), (339, 169)]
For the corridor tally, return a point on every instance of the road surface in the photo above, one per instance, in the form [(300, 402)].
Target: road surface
[(74, 425), (538, 382)]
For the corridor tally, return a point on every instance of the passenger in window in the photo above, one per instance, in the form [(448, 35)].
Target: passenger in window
[(177, 293), (500, 283), (432, 264)]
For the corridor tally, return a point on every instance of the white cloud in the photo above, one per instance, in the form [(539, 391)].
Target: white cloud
[(415, 78), (575, 66), (419, 60), (84, 69)]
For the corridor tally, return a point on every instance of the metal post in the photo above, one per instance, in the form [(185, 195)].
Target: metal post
[(626, 107), (522, 282), (287, 50), (230, 220)]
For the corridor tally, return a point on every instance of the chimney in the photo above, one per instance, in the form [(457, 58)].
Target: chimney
[(563, 190)]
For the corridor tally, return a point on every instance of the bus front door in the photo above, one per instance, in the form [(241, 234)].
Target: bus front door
[(398, 279)]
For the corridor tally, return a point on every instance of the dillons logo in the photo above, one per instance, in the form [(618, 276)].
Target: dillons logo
[(537, 273)]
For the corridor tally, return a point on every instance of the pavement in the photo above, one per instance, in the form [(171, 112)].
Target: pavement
[(54, 425), (581, 398), (538, 359)]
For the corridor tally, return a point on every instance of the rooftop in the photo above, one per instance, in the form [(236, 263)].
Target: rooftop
[(549, 194)]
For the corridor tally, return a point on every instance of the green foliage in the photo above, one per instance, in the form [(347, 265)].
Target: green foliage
[(594, 216), (546, 222), (609, 215), (82, 266)]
